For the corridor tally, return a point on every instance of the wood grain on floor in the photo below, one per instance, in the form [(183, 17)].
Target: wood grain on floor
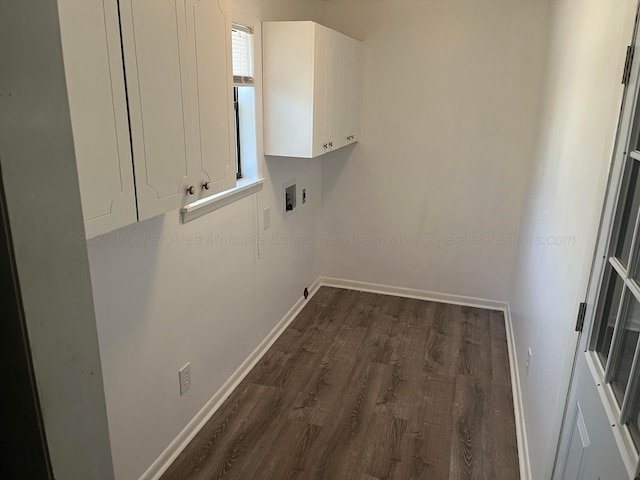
[(368, 387)]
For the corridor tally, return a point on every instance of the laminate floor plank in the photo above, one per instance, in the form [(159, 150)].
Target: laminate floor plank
[(344, 431), (324, 391), (384, 450), (475, 325), (398, 398), (448, 326), (427, 446), (363, 386), (228, 439), (472, 445), (474, 360), (294, 441), (505, 450), (501, 372)]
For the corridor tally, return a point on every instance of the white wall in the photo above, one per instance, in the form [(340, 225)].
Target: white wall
[(43, 200), (450, 112), (580, 108), (450, 101), (162, 302)]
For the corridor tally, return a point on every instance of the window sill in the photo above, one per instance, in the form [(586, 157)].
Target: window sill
[(243, 188)]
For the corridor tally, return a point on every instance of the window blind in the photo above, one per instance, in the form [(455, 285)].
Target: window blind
[(242, 47)]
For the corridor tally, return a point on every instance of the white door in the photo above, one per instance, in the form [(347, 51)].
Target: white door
[(601, 430)]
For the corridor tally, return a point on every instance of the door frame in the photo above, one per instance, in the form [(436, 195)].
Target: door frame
[(628, 128), (25, 453)]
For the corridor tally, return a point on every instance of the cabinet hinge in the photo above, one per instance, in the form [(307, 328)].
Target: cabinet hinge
[(582, 311), (627, 65)]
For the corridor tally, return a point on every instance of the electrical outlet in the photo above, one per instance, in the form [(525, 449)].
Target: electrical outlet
[(528, 361), (184, 374), (266, 217)]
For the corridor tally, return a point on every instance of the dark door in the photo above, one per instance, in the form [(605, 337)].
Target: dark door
[(23, 450)]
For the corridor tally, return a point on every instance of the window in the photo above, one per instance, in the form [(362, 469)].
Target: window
[(242, 45), (616, 336), (243, 91)]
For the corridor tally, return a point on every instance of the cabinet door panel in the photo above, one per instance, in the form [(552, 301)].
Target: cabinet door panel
[(289, 123), (356, 88), (349, 91), (338, 89), (95, 82), (322, 91), (153, 54), (209, 36)]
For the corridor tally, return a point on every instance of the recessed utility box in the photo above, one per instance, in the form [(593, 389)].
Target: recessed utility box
[(290, 193)]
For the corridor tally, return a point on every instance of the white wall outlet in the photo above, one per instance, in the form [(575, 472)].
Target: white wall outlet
[(266, 217), (528, 361), (184, 374)]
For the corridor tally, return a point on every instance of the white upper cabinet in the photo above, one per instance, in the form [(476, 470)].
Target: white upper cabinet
[(178, 64), (90, 34), (311, 89), (179, 124)]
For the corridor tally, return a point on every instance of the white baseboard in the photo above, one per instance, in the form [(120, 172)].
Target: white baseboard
[(521, 430), (187, 434), (412, 293), (195, 425)]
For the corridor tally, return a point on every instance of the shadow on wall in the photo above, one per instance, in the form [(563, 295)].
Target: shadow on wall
[(333, 164), (134, 293)]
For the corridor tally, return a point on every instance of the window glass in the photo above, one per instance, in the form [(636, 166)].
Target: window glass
[(634, 420), (610, 299), (626, 345), (628, 213), (244, 104)]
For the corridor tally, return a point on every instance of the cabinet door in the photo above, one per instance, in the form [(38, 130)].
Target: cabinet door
[(355, 89), (177, 60), (211, 95), (352, 90), (349, 91), (289, 50), (339, 90), (90, 35), (322, 117)]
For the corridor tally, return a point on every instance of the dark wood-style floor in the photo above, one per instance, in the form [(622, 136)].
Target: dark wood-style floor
[(362, 387)]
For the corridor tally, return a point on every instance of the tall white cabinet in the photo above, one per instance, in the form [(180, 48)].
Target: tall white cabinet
[(312, 83), (175, 115)]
